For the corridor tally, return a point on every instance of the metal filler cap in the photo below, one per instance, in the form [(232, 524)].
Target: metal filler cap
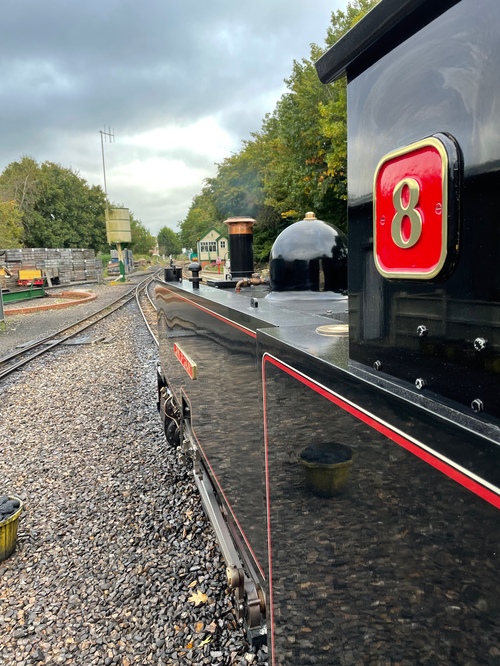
[(333, 329)]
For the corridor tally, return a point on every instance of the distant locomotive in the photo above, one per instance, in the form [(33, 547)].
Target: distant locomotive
[(347, 449)]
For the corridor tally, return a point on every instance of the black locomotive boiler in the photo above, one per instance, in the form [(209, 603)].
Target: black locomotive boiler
[(346, 448)]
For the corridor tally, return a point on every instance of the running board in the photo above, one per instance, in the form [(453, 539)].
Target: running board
[(250, 604)]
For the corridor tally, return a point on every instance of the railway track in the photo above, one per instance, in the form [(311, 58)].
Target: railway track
[(12, 362), (147, 307)]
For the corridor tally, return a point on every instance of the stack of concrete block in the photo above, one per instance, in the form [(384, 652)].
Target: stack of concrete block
[(71, 265), (65, 266), (52, 263), (78, 268)]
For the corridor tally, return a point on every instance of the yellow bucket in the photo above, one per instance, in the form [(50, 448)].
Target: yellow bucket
[(8, 531)]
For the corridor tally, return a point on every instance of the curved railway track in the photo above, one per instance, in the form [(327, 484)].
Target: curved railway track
[(140, 292), (147, 308)]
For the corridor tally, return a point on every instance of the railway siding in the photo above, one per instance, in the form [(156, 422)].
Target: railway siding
[(22, 328), (116, 563)]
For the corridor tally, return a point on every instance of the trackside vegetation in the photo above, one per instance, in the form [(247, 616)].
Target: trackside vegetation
[(295, 162)]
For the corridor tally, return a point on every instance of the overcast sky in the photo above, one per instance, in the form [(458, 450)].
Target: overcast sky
[(181, 83)]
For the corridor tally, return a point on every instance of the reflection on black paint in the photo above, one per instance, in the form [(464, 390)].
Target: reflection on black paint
[(225, 406), (400, 569), (443, 78)]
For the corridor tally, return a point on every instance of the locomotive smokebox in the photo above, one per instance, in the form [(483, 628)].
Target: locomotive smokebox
[(240, 246)]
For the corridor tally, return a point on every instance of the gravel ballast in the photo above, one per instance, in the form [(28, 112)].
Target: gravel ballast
[(115, 561), (18, 329)]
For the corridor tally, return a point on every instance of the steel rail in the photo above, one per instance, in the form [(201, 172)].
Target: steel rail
[(46, 344), (142, 310)]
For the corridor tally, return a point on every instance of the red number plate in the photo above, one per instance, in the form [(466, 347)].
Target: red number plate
[(410, 201)]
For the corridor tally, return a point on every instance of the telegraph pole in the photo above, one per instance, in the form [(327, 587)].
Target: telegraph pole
[(110, 134)]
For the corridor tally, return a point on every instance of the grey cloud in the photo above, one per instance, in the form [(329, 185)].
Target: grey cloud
[(70, 66), (137, 58)]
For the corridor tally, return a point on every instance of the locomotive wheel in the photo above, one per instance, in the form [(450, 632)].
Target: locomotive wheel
[(171, 409), (173, 434)]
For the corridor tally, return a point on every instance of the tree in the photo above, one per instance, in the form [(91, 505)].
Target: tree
[(11, 228), (71, 214), (169, 242), (58, 207), (333, 112), (142, 240), (202, 215), (297, 161), (269, 225), (20, 182)]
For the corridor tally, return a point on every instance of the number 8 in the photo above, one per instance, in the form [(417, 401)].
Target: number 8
[(409, 210)]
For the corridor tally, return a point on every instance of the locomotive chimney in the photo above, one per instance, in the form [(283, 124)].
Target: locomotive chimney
[(240, 246)]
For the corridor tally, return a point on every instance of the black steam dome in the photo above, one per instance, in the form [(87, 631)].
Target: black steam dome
[(309, 255)]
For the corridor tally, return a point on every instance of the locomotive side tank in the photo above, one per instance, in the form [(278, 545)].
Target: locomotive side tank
[(357, 474), (210, 392)]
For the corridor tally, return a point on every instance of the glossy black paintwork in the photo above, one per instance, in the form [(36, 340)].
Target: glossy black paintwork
[(400, 568), (388, 24), (224, 402), (403, 567), (241, 253), (438, 80), (217, 330), (309, 255), (389, 569), (440, 523), (464, 444)]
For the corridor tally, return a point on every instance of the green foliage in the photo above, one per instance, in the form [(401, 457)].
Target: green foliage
[(296, 175), (201, 217), (11, 228), (20, 182), (333, 111), (169, 242), (297, 161), (269, 225), (142, 240), (58, 207), (71, 214)]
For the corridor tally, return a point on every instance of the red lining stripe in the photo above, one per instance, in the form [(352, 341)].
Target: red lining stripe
[(371, 421), (447, 469), (248, 331), (268, 510)]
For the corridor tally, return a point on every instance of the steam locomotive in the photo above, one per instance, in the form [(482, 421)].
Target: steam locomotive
[(346, 445)]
